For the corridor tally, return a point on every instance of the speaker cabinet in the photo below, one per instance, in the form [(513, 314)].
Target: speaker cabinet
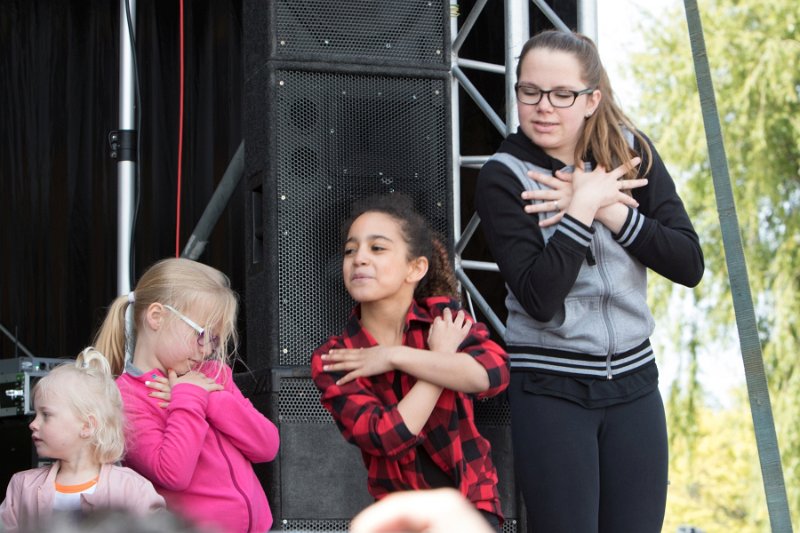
[(319, 140), (318, 482), (343, 100)]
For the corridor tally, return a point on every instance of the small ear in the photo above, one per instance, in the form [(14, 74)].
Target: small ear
[(154, 315), (593, 102), (417, 269), (89, 427)]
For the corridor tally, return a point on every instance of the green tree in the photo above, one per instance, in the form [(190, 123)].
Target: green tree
[(714, 478), (754, 52)]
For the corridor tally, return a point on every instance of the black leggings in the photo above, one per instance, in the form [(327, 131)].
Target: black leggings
[(585, 470)]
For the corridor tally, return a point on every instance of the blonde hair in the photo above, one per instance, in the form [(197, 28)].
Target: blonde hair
[(602, 135), (93, 396), (182, 284)]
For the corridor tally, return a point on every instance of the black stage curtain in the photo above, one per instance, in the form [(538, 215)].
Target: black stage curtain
[(58, 187), (59, 71)]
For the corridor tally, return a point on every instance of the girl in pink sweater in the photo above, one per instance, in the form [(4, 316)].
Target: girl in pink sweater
[(79, 424), (192, 432)]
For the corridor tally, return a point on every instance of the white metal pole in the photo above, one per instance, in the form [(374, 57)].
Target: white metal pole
[(455, 128), (587, 18), (517, 32), (126, 169)]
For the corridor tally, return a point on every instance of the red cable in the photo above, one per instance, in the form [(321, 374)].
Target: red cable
[(180, 138)]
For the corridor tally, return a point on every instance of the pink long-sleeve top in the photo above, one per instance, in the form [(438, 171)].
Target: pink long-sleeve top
[(198, 452), (30, 495)]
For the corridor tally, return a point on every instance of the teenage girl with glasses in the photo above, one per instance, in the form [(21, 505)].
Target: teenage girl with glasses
[(576, 206), (192, 432)]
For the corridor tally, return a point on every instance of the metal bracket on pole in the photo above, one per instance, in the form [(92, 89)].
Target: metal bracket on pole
[(122, 145)]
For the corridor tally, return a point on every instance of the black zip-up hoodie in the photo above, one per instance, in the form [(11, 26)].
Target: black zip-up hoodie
[(577, 294)]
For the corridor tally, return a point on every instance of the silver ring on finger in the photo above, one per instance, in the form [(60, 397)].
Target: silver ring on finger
[(555, 205)]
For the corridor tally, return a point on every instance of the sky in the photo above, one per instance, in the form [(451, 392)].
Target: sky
[(618, 32)]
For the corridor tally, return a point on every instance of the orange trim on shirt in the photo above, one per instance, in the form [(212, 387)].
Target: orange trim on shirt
[(72, 489)]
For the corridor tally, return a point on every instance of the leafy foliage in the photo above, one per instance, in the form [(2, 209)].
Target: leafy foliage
[(715, 481), (754, 52)]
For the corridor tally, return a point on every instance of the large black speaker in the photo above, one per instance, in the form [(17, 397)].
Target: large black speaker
[(342, 100), (320, 139), (318, 483)]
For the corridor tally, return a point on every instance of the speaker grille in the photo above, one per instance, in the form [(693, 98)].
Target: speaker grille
[(343, 137), (494, 411), (328, 526), (411, 31), (511, 525), (299, 402)]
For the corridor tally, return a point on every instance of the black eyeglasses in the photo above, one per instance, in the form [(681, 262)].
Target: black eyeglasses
[(202, 339), (527, 94)]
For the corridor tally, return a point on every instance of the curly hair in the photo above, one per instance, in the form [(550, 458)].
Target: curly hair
[(422, 241)]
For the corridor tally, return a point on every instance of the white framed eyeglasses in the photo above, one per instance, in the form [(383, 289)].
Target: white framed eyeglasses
[(202, 339)]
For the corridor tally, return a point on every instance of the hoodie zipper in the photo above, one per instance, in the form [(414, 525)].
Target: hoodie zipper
[(235, 484), (604, 305)]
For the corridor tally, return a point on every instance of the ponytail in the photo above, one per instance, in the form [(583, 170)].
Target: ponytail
[(440, 279), (110, 339), (87, 387), (183, 284)]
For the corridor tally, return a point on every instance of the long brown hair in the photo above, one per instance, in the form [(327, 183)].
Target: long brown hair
[(422, 241), (602, 134)]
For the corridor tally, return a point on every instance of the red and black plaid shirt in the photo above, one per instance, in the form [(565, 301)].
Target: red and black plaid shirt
[(366, 412)]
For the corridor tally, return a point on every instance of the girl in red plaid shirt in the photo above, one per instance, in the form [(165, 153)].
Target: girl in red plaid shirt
[(401, 378)]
